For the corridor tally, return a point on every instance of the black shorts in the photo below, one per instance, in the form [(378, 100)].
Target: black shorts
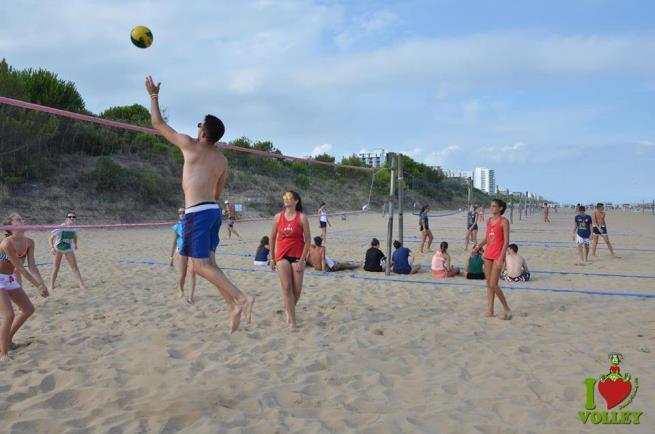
[(291, 259), (473, 228), (475, 276), (323, 224), (600, 230)]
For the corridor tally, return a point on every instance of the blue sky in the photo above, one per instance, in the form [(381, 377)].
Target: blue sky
[(556, 96)]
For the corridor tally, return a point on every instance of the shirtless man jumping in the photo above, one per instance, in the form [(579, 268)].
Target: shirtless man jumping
[(203, 178)]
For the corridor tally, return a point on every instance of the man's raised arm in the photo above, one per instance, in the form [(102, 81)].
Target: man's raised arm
[(182, 141)]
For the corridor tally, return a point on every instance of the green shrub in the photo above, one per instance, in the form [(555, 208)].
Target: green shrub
[(302, 181)]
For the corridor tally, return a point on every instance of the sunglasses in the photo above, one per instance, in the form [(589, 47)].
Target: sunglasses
[(288, 196), (71, 217), (199, 124)]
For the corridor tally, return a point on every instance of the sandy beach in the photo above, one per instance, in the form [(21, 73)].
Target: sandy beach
[(372, 354)]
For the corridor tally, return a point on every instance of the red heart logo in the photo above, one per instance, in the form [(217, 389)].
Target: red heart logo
[(614, 391)]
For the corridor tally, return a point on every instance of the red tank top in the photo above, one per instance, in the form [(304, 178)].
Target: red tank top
[(495, 239), (290, 237)]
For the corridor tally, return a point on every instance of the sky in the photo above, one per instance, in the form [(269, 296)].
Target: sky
[(555, 96)]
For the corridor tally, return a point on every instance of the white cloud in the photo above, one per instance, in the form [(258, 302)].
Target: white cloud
[(321, 149), (414, 153), (365, 27), (440, 156), (245, 81)]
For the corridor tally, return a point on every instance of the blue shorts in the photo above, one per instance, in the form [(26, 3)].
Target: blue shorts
[(200, 231)]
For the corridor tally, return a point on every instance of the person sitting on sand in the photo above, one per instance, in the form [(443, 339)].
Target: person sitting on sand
[(475, 265), (317, 257), (441, 266), (375, 260), (516, 269), (262, 253), (13, 251), (402, 260), (184, 265)]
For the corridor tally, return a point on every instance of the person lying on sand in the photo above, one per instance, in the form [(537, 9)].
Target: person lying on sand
[(317, 257)]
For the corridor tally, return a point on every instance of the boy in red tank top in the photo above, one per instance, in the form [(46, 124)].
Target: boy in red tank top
[(496, 240)]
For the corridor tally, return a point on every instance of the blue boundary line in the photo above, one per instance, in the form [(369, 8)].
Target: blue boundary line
[(421, 282)]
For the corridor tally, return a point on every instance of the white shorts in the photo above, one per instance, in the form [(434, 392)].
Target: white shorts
[(261, 263), (8, 282), (582, 241)]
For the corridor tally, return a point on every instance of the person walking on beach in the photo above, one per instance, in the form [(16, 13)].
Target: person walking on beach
[(599, 230), (496, 240), (14, 249), (231, 215), (184, 266), (203, 178), (290, 239), (581, 234), (424, 228), (63, 242), (471, 227), (546, 213), (323, 221)]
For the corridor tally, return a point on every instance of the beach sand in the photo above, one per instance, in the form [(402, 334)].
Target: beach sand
[(397, 354)]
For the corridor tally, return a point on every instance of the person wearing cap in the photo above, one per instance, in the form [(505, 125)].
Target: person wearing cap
[(230, 214)]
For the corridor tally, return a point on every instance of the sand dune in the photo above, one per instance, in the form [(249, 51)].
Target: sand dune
[(398, 354)]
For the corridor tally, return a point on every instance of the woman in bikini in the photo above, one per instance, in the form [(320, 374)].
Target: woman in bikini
[(424, 228), (290, 240), (63, 242), (496, 240), (13, 251)]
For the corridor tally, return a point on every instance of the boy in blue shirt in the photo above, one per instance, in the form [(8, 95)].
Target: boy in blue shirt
[(582, 234)]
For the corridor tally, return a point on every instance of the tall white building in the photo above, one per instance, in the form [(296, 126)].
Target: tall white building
[(484, 179), (375, 158)]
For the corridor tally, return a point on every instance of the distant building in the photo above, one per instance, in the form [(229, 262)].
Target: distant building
[(463, 174), (375, 158), (484, 179)]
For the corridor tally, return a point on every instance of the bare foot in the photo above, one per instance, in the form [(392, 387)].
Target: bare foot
[(180, 294), (248, 309), (189, 300), (5, 358), (235, 318), (507, 315), (83, 286), (489, 315)]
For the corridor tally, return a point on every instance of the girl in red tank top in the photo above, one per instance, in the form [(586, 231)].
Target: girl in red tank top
[(496, 239), (290, 238), (290, 241)]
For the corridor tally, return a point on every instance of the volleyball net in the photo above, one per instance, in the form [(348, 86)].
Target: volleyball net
[(117, 172)]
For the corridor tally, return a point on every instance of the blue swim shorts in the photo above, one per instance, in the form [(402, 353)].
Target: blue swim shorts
[(200, 228)]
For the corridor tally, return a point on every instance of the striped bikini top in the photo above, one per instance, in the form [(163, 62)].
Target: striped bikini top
[(21, 255)]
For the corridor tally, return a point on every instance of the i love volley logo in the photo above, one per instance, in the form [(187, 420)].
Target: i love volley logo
[(617, 390)]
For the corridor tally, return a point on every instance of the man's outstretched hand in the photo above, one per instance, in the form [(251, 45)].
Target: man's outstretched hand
[(151, 87)]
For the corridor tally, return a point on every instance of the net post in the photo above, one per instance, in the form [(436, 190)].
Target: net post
[(401, 196), (392, 191), (511, 207), (469, 193), (526, 205)]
